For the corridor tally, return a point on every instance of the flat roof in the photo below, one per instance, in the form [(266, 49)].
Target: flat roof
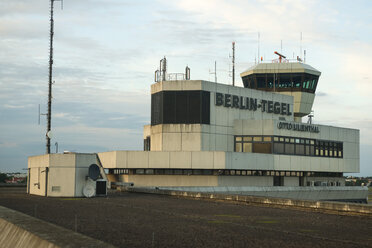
[(280, 68)]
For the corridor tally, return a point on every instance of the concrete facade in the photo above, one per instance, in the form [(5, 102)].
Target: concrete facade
[(200, 140), (61, 175)]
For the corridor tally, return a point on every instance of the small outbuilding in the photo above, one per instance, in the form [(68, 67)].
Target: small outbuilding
[(61, 175)]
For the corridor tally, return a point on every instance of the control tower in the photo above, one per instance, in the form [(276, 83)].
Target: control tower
[(295, 79)]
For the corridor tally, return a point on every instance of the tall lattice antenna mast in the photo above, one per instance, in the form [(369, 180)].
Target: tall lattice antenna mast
[(49, 114)]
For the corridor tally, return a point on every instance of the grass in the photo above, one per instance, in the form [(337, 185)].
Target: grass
[(228, 215), (267, 221), (218, 222)]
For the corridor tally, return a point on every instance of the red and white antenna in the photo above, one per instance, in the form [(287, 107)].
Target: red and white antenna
[(280, 56)]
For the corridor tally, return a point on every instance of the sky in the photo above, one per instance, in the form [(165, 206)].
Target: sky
[(106, 52)]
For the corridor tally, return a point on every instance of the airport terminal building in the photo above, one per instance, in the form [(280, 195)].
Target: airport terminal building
[(213, 135)]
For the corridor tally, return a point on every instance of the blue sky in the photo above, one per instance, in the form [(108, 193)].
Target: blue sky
[(106, 52)]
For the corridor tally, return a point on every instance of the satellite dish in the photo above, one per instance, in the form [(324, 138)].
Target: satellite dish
[(94, 172), (89, 190), (49, 134)]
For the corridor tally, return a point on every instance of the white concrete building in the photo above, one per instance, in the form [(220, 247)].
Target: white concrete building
[(209, 134), (62, 175)]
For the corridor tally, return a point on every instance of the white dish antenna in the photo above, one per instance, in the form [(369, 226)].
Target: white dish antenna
[(49, 134), (89, 189)]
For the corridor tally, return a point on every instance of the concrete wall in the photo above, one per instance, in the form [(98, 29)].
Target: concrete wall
[(169, 180), (218, 136), (227, 122), (307, 197), (220, 160), (61, 175), (18, 230), (349, 137), (158, 160)]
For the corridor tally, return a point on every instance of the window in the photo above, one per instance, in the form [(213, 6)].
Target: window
[(247, 147), (288, 145), (261, 80), (147, 144)]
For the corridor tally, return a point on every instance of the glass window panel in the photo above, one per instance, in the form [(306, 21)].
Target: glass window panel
[(330, 153), (326, 152), (279, 148), (285, 80), (312, 148), (312, 142), (262, 147), (297, 79), (281, 139), (247, 138), (238, 147), (289, 148), (276, 139), (287, 140), (244, 173), (297, 141), (321, 152), (238, 138), (257, 138), (267, 139), (307, 141), (300, 149), (302, 141), (316, 152), (270, 81), (261, 80), (247, 147), (292, 140), (339, 154)]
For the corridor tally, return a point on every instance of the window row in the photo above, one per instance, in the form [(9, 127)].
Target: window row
[(282, 81), (223, 172), (288, 146)]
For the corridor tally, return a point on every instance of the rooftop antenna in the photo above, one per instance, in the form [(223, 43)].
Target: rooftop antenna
[(258, 47), (300, 45), (215, 71), (233, 63), (304, 56), (49, 114), (281, 46), (281, 56), (310, 117), (163, 68)]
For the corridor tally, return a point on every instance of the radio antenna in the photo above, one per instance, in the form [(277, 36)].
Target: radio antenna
[(258, 47), (300, 45), (233, 63), (49, 114)]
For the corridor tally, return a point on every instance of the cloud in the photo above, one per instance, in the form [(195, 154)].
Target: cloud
[(7, 144)]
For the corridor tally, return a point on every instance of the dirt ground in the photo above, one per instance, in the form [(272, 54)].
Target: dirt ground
[(144, 220)]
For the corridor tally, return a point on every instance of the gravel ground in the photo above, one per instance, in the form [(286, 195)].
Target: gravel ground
[(144, 220)]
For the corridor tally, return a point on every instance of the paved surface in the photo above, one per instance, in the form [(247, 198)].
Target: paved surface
[(143, 220)]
